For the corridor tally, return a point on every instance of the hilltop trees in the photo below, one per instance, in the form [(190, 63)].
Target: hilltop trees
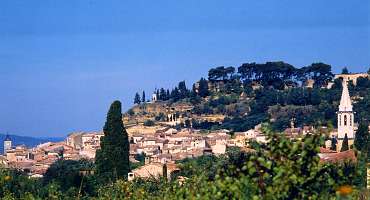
[(203, 88), (183, 91), (345, 70), (278, 74), (221, 73), (319, 72), (143, 98), (175, 94), (137, 99), (112, 160), (259, 86)]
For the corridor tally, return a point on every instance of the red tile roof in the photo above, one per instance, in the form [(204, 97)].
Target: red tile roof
[(325, 150), (338, 157)]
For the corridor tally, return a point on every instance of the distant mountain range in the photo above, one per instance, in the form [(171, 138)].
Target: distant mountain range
[(25, 140)]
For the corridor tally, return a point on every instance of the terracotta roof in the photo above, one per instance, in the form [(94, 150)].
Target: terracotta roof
[(325, 150), (338, 157)]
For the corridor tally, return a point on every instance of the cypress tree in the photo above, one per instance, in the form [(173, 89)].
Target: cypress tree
[(345, 143), (203, 88), (183, 90), (143, 98), (345, 70), (175, 94), (165, 171), (112, 159), (158, 95), (362, 137), (333, 144), (137, 99), (168, 94), (162, 94)]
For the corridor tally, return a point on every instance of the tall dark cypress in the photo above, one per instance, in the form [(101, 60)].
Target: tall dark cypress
[(333, 144), (143, 98), (203, 88), (362, 138), (345, 146), (137, 99), (112, 160)]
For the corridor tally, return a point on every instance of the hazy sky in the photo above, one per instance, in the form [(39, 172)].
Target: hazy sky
[(63, 62)]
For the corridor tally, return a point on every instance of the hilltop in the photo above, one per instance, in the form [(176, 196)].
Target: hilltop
[(240, 98)]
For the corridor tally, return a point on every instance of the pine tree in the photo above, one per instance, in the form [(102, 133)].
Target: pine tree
[(194, 90), (184, 92), (137, 99), (345, 70), (143, 98), (345, 143), (168, 95), (333, 144), (112, 160), (175, 94), (158, 95), (203, 88), (362, 137), (162, 94)]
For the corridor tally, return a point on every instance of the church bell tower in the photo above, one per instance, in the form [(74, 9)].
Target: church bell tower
[(7, 144), (345, 115)]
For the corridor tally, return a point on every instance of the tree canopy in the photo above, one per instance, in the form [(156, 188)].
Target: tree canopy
[(112, 160)]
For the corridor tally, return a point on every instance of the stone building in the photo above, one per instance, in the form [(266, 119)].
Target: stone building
[(351, 77)]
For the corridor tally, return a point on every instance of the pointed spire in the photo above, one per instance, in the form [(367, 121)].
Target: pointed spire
[(7, 137), (345, 101)]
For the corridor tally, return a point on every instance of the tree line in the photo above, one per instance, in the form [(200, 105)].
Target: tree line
[(270, 74), (180, 92), (276, 74)]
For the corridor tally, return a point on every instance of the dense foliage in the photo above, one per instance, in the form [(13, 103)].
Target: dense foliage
[(112, 160), (68, 174)]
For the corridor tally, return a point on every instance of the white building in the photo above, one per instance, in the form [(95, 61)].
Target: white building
[(7, 144), (345, 117), (154, 97)]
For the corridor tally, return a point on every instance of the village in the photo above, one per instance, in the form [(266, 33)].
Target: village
[(165, 145)]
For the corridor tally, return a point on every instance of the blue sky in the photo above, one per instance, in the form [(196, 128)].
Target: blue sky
[(63, 62)]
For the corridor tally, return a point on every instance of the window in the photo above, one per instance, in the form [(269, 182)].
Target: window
[(340, 120), (345, 120), (350, 120)]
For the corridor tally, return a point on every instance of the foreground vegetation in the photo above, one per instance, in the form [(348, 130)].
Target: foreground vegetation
[(280, 169)]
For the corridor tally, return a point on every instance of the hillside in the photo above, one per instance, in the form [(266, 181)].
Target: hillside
[(240, 98), (24, 140)]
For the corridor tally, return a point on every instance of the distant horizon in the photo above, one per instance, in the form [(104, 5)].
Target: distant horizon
[(63, 63)]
